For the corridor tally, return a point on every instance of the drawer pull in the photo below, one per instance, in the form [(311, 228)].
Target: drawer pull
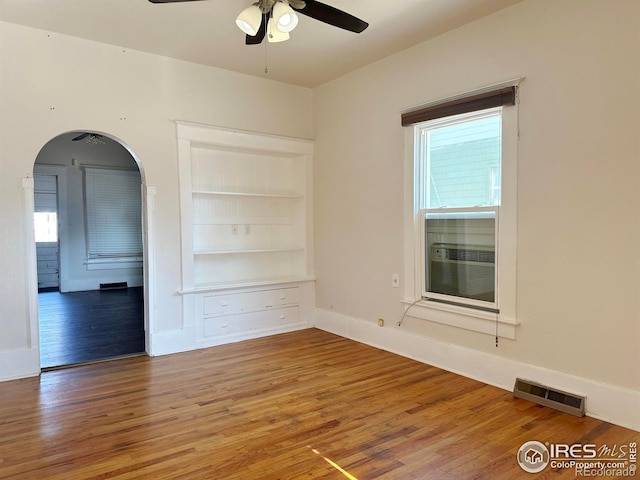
[(282, 317), (224, 304)]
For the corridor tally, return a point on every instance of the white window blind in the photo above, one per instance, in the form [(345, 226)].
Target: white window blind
[(113, 211)]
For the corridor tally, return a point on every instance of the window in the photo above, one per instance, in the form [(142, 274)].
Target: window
[(46, 226), (113, 213), (461, 194), (45, 217), (459, 160)]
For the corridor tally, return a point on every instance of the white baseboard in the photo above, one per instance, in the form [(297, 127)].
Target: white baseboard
[(82, 285), (606, 402), (175, 341), (22, 363), (166, 343), (239, 337)]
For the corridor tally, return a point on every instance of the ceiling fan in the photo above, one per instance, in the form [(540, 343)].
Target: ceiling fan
[(276, 18), (94, 138)]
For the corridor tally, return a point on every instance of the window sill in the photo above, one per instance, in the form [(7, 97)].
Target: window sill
[(461, 317), (113, 263)]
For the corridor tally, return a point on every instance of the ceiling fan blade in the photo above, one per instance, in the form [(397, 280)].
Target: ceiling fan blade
[(80, 137), (332, 16), (258, 37)]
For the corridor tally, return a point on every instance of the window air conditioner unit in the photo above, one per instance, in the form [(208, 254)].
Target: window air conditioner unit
[(462, 270)]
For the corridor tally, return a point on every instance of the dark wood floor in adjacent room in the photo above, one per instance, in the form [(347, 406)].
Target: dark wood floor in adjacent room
[(305, 404), (79, 327)]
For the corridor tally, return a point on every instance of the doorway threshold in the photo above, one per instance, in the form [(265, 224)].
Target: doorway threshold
[(92, 362)]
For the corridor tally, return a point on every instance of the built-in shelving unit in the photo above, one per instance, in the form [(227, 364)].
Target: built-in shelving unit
[(246, 205)]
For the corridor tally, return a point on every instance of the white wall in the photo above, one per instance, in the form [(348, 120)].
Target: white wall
[(578, 226), (578, 279), (51, 84)]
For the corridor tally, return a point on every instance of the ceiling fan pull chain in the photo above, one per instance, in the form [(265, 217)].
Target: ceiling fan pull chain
[(266, 19)]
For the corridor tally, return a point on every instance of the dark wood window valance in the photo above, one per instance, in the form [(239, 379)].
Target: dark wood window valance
[(472, 103)]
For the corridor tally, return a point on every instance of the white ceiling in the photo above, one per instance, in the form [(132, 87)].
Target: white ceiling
[(205, 32)]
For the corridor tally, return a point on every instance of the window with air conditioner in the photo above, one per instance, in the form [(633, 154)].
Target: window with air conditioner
[(460, 233), (459, 160)]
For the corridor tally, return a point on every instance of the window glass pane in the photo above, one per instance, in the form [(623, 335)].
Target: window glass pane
[(463, 163), (460, 254), (46, 226)]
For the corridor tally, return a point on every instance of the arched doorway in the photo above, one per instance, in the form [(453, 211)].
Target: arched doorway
[(91, 286)]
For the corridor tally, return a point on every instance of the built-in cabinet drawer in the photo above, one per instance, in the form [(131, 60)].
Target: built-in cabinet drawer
[(244, 323), (224, 304)]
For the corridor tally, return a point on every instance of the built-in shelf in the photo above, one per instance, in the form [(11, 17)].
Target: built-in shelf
[(249, 250), (246, 212), (249, 194), (248, 283)]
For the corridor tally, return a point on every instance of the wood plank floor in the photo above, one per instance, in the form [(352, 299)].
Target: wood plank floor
[(80, 327), (302, 405)]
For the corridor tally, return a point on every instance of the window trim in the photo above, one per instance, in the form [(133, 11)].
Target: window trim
[(503, 323)]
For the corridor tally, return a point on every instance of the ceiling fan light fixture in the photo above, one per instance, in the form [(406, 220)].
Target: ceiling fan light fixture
[(249, 20), (275, 35), (95, 139), (284, 16)]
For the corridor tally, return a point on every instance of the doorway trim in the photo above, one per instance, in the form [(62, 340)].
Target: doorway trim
[(29, 363)]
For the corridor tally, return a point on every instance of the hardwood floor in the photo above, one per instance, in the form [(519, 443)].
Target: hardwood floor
[(306, 404), (80, 327)]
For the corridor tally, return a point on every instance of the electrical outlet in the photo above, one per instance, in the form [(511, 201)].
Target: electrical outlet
[(381, 322), (395, 280)]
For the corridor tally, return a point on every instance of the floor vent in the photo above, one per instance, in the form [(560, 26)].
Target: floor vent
[(550, 397), (113, 286)]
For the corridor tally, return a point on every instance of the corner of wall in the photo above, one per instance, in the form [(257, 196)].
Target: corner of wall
[(22, 363)]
